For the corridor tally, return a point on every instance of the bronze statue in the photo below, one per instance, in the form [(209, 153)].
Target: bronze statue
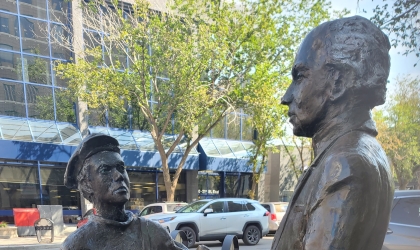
[(98, 171), (343, 200)]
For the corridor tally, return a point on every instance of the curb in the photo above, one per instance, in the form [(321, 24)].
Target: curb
[(35, 247)]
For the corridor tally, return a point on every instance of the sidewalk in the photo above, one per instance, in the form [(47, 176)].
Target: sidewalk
[(31, 242)]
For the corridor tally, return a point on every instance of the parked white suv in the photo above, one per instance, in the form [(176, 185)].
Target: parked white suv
[(205, 220), (166, 207), (277, 211)]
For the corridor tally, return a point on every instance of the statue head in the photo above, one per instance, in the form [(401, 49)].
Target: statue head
[(98, 171), (341, 65)]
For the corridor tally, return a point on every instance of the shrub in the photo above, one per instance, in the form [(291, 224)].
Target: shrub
[(3, 224)]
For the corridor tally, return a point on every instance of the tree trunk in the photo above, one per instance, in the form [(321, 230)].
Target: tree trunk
[(403, 185), (251, 192)]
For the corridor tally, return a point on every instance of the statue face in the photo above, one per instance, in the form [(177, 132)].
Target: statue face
[(108, 178), (308, 94)]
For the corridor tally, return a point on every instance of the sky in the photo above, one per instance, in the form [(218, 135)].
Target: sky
[(400, 65)]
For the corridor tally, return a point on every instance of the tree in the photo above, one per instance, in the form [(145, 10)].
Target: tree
[(189, 64), (398, 129), (300, 160), (401, 19)]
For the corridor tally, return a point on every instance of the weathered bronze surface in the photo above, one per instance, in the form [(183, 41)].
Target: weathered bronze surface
[(344, 198), (97, 170)]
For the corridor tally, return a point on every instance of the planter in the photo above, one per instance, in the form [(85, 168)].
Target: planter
[(8, 232)]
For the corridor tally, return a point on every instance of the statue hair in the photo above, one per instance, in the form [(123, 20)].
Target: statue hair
[(355, 46)]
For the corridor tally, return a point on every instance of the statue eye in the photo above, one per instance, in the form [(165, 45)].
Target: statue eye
[(300, 76), (104, 170)]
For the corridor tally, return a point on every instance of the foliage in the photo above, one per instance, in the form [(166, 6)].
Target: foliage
[(3, 224), (190, 63), (398, 127), (401, 19), (298, 153)]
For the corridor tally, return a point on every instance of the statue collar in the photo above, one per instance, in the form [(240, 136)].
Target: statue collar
[(101, 220), (360, 120)]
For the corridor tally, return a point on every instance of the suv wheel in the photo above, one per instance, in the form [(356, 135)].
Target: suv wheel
[(252, 235), (191, 236)]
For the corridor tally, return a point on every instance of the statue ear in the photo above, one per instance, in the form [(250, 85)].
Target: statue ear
[(338, 87)]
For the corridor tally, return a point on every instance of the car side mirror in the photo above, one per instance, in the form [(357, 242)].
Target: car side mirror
[(389, 231), (208, 211)]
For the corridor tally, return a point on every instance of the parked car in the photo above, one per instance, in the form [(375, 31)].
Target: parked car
[(167, 207), (214, 219), (404, 227), (83, 220), (277, 211)]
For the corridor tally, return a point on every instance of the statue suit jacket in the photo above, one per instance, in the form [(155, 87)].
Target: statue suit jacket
[(343, 201)]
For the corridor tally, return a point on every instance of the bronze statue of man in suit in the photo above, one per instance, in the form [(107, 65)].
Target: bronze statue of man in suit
[(343, 201)]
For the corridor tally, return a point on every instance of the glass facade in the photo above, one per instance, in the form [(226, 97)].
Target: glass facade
[(27, 79), (213, 185)]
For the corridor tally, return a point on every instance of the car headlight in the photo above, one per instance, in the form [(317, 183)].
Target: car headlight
[(167, 219)]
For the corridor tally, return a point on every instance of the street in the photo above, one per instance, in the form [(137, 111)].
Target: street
[(264, 244)]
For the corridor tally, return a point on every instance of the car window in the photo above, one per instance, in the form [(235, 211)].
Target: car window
[(174, 207), (250, 206), (280, 208), (145, 211), (193, 207), (236, 206), (155, 209), (218, 207), (407, 211), (266, 206)]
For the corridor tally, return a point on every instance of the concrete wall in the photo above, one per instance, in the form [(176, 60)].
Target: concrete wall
[(280, 179)]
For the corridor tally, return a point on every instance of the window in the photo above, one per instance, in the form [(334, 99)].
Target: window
[(218, 207), (155, 209), (407, 211), (27, 28), (10, 92), (250, 207), (4, 25), (266, 206), (236, 206)]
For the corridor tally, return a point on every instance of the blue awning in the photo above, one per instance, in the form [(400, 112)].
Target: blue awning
[(225, 155), (39, 140)]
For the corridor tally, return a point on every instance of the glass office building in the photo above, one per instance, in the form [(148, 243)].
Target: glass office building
[(39, 129)]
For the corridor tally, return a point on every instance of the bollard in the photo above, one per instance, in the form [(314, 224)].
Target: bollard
[(180, 236), (41, 226), (230, 243)]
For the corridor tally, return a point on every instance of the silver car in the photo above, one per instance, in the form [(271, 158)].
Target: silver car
[(404, 227), (277, 211)]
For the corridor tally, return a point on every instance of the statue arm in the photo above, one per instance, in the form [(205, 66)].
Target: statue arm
[(342, 209)]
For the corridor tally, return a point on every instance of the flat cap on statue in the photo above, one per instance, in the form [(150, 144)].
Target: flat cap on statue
[(90, 145)]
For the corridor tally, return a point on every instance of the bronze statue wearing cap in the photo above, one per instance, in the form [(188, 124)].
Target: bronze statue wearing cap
[(97, 170), (343, 201)]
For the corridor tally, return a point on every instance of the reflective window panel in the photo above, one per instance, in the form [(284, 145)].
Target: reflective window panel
[(15, 129), (9, 5), (33, 8), (69, 133), (9, 32), (64, 106), (19, 187), (40, 102), (125, 139), (45, 131), (10, 64), (34, 36), (36, 70), (12, 99)]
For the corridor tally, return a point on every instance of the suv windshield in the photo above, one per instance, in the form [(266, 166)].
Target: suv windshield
[(193, 207)]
